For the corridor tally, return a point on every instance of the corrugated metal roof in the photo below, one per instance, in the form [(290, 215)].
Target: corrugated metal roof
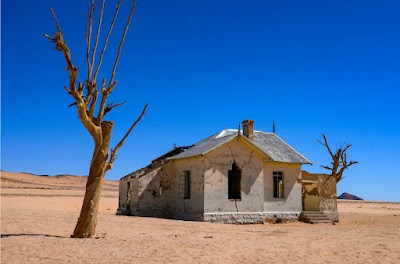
[(277, 149), (206, 145), (268, 143)]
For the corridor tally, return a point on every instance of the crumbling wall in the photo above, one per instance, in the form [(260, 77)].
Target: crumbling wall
[(326, 193), (216, 166), (122, 199), (155, 193), (192, 208), (328, 196), (150, 193)]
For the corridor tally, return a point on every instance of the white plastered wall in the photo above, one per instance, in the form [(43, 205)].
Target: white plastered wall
[(292, 201), (216, 166)]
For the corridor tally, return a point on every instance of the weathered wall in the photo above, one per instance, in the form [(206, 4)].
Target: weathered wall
[(328, 196), (156, 192), (144, 196), (216, 165), (326, 192), (123, 185), (150, 192), (292, 202), (192, 208)]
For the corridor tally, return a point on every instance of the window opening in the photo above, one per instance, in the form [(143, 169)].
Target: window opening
[(278, 184), (234, 182), (185, 182), (129, 196)]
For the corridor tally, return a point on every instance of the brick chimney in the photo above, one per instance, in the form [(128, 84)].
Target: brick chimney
[(248, 129)]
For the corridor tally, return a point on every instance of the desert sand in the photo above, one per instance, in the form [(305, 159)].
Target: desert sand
[(38, 214)]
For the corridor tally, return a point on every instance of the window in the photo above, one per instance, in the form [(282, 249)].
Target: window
[(278, 184), (129, 195), (185, 185), (234, 182)]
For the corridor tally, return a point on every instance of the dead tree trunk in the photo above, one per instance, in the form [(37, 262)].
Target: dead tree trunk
[(86, 95), (87, 222), (339, 160)]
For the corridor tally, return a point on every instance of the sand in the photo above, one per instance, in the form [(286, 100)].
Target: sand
[(38, 214)]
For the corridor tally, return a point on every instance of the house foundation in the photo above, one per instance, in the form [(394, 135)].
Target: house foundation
[(251, 217)]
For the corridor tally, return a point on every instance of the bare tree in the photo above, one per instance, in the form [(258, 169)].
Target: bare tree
[(339, 159), (90, 98)]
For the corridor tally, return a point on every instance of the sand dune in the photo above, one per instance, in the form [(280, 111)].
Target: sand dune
[(38, 213), (26, 180)]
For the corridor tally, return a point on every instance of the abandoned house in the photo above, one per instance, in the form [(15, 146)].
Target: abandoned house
[(232, 176)]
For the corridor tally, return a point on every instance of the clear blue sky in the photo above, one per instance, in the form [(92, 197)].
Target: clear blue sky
[(315, 67)]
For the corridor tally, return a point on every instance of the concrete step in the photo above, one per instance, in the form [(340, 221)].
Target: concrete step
[(312, 212), (317, 216), (314, 217)]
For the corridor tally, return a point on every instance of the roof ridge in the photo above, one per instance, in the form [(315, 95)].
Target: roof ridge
[(260, 131)]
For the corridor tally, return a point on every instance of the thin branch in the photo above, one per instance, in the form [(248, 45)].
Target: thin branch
[(120, 46), (89, 24), (115, 150), (56, 19), (326, 144), (74, 103), (103, 101), (97, 37), (106, 40), (111, 106), (326, 167), (341, 171), (346, 147)]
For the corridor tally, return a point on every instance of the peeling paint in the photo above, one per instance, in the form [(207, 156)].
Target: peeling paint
[(325, 193)]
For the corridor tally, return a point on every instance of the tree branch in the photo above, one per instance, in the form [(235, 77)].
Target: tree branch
[(115, 150), (58, 40), (110, 87), (93, 103), (346, 147), (103, 101), (326, 167), (106, 40), (109, 107), (326, 144), (341, 171), (339, 160), (97, 38), (89, 24)]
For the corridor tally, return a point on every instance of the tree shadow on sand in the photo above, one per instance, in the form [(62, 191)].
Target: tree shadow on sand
[(46, 235)]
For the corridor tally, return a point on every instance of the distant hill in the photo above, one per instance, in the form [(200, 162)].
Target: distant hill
[(25, 180), (348, 196)]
